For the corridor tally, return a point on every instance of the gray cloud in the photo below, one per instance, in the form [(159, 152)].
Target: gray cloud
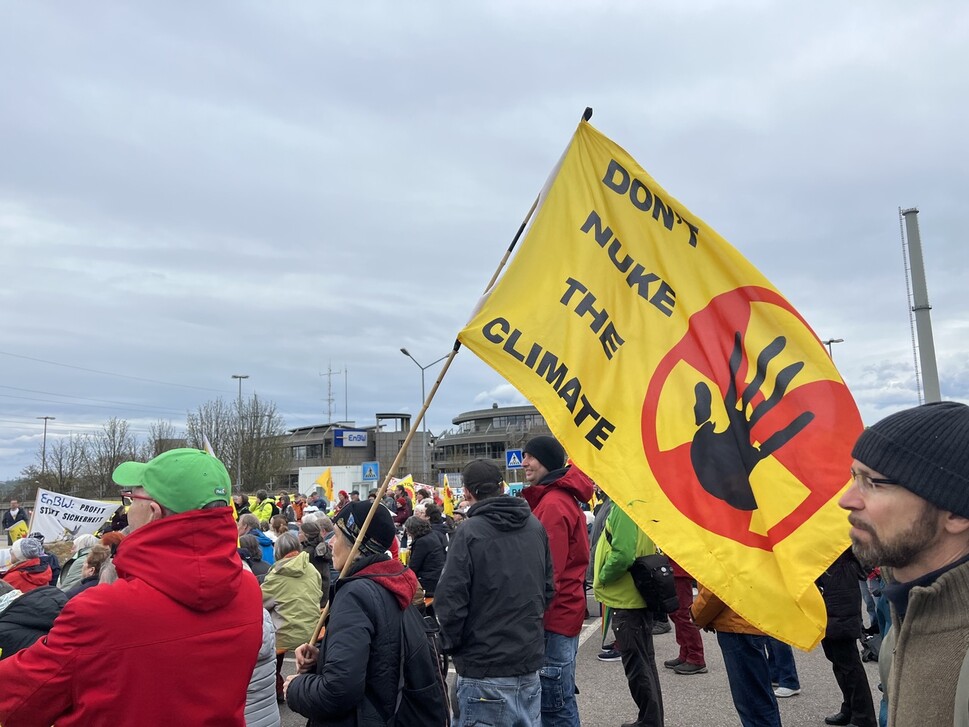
[(191, 191)]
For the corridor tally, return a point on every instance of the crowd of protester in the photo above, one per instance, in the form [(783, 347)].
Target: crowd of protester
[(163, 594)]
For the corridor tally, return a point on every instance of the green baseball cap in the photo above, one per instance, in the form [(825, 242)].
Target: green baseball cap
[(179, 479)]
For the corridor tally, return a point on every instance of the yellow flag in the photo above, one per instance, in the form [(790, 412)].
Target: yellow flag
[(408, 484), (325, 480), (681, 381), (17, 531), (448, 498)]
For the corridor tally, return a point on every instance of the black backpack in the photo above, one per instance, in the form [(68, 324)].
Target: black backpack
[(422, 695), (653, 576)]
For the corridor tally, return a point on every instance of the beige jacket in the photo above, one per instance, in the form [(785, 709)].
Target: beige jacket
[(925, 662)]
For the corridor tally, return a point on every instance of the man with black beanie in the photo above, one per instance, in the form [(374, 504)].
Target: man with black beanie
[(498, 564), (909, 513), (554, 493)]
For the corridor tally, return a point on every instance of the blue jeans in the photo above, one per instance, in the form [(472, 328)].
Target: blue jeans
[(745, 660), (499, 701), (558, 681), (780, 661)]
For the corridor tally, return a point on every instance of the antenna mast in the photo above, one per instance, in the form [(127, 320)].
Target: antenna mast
[(329, 391)]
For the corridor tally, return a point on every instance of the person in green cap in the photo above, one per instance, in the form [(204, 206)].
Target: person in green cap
[(174, 640)]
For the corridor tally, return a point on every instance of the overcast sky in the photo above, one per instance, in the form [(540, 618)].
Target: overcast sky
[(194, 190)]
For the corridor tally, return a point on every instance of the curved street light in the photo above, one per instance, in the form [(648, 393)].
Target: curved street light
[(828, 344), (423, 399)]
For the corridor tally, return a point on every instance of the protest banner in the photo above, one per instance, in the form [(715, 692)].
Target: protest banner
[(60, 517)]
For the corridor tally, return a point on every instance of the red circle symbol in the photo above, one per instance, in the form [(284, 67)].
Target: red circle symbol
[(817, 456)]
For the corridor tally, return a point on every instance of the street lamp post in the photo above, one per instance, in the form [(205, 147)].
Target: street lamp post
[(828, 344), (43, 449), (423, 398), (240, 377)]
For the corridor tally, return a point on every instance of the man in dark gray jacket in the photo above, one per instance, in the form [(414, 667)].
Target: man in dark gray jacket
[(498, 564)]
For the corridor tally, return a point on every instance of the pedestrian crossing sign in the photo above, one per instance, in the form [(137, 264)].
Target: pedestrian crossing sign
[(371, 471), (513, 459)]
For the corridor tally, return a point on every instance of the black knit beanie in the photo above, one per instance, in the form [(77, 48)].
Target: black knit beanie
[(926, 450), (548, 451)]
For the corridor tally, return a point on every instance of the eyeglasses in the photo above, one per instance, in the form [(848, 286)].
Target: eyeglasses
[(132, 496), (868, 485)]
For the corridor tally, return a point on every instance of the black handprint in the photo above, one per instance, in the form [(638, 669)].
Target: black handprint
[(724, 460)]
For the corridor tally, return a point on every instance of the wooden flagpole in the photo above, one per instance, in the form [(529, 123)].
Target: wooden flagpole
[(381, 491), (325, 612)]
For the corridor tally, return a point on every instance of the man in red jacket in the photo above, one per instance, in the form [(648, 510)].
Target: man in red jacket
[(553, 493), (175, 639)]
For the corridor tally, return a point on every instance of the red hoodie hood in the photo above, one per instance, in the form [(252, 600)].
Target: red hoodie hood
[(574, 481), (28, 574), (394, 576), (190, 557)]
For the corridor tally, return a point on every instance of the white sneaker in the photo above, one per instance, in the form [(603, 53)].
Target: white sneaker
[(784, 692)]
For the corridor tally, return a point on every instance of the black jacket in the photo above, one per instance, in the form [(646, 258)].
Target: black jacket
[(444, 531), (322, 559), (9, 520), (492, 595), (427, 561), (259, 567), (82, 585), (29, 618), (358, 669), (842, 597)]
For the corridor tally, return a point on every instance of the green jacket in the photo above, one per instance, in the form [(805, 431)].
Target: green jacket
[(619, 545), (71, 573), (291, 593)]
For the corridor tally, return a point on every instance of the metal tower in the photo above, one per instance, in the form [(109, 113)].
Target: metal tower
[(920, 307)]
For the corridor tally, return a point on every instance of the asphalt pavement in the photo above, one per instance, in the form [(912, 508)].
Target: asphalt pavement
[(701, 700)]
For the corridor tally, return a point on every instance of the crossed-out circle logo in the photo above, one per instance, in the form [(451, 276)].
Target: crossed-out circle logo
[(742, 439)]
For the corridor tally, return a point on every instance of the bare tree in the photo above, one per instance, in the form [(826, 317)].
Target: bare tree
[(103, 452), (64, 470), (263, 459), (244, 439), (162, 436), (217, 420), (65, 462)]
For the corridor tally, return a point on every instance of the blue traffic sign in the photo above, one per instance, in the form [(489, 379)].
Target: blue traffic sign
[(371, 471), (513, 459)]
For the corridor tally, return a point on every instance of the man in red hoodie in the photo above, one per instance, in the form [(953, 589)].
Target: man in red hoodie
[(553, 493), (174, 640)]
